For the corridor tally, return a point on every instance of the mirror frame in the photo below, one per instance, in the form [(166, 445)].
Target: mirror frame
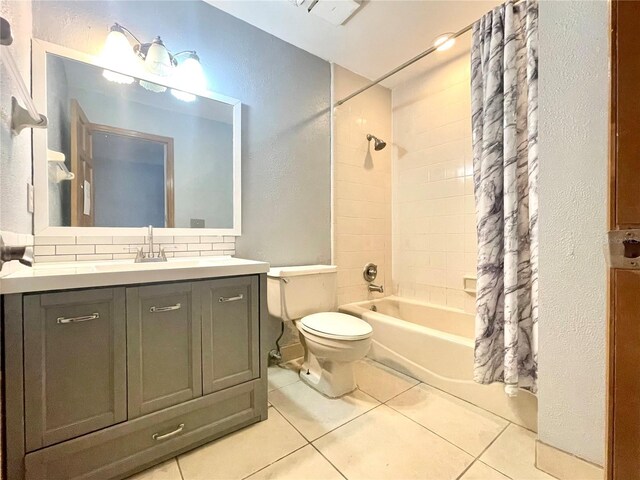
[(40, 49)]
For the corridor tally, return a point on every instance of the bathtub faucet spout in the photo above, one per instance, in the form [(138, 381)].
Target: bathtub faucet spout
[(376, 288)]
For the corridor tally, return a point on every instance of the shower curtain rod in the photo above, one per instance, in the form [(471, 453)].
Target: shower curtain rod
[(405, 65), (401, 67)]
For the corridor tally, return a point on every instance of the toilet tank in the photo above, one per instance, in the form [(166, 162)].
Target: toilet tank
[(294, 292)]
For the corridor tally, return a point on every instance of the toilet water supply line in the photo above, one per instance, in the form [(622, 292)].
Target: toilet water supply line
[(276, 353)]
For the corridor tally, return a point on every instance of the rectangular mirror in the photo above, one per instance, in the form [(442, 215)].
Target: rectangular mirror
[(122, 152)]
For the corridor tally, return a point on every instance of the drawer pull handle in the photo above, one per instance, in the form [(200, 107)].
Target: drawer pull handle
[(177, 306), (231, 299), (85, 318), (158, 437)]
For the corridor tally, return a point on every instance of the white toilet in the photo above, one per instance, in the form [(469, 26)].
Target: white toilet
[(332, 341)]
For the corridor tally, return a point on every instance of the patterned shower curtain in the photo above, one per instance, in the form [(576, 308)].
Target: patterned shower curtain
[(504, 98)]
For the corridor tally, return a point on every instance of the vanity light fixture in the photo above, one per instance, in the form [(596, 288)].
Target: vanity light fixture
[(153, 57), (444, 42)]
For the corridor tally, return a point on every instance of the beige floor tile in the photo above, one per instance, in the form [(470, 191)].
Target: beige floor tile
[(281, 376), (306, 463), (513, 454), (382, 444), (463, 424), (480, 471), (165, 471), (312, 413), (244, 452), (380, 381)]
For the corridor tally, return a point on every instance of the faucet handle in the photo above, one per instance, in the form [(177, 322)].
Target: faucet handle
[(161, 254)]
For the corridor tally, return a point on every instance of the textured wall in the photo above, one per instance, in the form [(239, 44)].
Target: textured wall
[(15, 152), (573, 184), (286, 95), (434, 227), (362, 186)]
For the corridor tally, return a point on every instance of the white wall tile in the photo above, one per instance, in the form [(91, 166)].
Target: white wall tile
[(74, 249), (433, 203)]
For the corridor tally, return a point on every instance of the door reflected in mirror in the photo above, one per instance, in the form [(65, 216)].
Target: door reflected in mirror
[(138, 156)]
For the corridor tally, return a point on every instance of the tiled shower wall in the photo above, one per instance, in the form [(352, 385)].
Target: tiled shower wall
[(361, 186), (70, 249), (434, 240)]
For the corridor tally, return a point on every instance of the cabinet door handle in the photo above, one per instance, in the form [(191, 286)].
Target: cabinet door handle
[(231, 299), (85, 318), (164, 436), (154, 309)]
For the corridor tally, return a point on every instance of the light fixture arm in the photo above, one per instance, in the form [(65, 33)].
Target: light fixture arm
[(191, 53), (121, 28)]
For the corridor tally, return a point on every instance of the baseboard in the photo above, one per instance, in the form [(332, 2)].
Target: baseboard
[(565, 466)]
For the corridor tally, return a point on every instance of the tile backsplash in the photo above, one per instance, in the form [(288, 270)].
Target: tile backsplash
[(70, 248)]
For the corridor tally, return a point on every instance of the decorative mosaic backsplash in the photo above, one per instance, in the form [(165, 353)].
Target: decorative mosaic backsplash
[(70, 249)]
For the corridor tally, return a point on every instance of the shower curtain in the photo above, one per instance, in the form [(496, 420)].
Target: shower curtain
[(504, 100)]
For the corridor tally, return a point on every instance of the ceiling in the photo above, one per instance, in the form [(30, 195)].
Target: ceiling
[(381, 35)]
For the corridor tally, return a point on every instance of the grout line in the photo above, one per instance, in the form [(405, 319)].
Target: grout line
[(349, 421), (435, 433), (477, 458), (493, 441), (493, 468), (477, 406), (330, 462), (275, 461), (404, 391), (292, 425), (466, 469)]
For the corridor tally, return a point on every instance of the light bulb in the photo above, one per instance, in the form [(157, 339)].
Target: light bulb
[(190, 76), (444, 42), (157, 59), (117, 54)]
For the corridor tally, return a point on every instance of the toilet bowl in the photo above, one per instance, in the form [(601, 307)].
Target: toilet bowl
[(332, 341)]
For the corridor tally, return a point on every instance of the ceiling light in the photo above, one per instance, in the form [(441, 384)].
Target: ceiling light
[(444, 42)]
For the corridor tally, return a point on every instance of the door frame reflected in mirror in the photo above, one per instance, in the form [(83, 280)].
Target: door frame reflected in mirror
[(42, 226)]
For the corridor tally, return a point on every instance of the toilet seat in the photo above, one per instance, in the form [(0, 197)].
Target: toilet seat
[(335, 325)]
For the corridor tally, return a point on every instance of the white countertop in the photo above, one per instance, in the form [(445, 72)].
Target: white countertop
[(66, 276)]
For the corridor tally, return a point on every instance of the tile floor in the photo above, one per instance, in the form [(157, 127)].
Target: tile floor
[(392, 427)]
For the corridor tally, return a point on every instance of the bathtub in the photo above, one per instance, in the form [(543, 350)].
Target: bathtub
[(435, 345)]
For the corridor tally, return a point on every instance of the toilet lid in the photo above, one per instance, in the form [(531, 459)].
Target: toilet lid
[(336, 325)]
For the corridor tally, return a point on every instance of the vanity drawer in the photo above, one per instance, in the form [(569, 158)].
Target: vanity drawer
[(74, 364), (118, 451)]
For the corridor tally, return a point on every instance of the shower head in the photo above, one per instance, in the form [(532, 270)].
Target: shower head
[(378, 144)]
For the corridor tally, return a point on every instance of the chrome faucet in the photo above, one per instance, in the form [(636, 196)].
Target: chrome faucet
[(8, 253), (375, 288), (149, 257)]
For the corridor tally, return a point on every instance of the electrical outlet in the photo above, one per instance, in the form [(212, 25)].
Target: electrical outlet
[(29, 198)]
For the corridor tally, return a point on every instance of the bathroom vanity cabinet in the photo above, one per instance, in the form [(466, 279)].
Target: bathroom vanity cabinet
[(102, 382)]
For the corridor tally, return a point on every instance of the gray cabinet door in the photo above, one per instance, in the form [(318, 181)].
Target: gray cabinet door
[(230, 335), (163, 347), (75, 364)]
